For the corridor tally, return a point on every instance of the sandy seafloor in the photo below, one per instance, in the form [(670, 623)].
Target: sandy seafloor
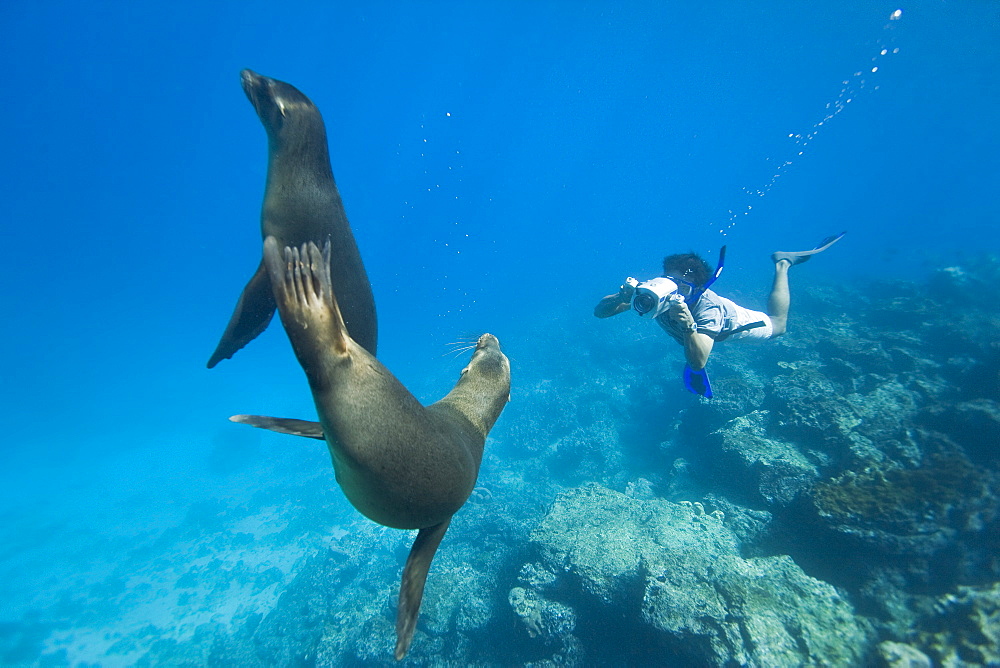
[(505, 165)]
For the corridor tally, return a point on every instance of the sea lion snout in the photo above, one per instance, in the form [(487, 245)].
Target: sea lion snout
[(488, 357), (254, 87), (487, 340), (249, 79), (272, 99)]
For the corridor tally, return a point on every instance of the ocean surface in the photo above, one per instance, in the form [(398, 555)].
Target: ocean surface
[(504, 165)]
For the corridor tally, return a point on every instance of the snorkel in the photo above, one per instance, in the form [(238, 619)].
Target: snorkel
[(696, 291), (697, 382)]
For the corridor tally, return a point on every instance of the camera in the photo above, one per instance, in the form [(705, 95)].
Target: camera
[(653, 297)]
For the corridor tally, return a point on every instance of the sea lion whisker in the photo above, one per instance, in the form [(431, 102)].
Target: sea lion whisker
[(457, 351)]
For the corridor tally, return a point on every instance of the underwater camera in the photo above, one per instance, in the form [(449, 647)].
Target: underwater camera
[(654, 296)]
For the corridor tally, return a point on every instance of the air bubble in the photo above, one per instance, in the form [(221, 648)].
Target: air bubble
[(851, 87)]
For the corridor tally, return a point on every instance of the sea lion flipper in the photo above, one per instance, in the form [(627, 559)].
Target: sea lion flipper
[(290, 426), (253, 312), (303, 291), (411, 591)]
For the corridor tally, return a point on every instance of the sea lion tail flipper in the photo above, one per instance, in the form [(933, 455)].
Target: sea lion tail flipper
[(253, 312), (290, 426), (306, 301), (411, 591)]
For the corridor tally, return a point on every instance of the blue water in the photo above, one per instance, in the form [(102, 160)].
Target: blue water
[(502, 164)]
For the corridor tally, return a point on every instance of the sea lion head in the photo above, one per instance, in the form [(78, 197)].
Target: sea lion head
[(277, 103), (484, 387)]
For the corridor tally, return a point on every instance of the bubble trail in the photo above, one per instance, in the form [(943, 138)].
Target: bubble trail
[(849, 91)]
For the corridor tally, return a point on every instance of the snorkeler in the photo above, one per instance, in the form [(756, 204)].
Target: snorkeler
[(698, 318)]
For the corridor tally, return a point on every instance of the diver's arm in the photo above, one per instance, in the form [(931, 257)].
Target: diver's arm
[(617, 303), (611, 305), (697, 348)]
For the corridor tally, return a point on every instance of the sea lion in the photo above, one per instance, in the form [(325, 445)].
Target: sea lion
[(301, 203), (399, 463)]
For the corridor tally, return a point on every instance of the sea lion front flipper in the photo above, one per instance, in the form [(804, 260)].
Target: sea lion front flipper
[(303, 291), (253, 312), (290, 426), (411, 591)]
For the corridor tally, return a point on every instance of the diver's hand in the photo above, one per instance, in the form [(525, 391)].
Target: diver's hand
[(680, 314), (627, 289)]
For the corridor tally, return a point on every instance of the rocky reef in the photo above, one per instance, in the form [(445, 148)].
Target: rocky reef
[(836, 503), (679, 569)]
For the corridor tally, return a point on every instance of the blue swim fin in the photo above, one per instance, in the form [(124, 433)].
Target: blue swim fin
[(697, 382)]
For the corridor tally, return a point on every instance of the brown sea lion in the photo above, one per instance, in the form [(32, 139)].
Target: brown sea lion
[(301, 203), (401, 464)]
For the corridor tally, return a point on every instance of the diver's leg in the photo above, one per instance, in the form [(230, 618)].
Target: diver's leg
[(779, 299)]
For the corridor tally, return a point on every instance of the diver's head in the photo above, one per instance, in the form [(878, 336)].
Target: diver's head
[(690, 268)]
